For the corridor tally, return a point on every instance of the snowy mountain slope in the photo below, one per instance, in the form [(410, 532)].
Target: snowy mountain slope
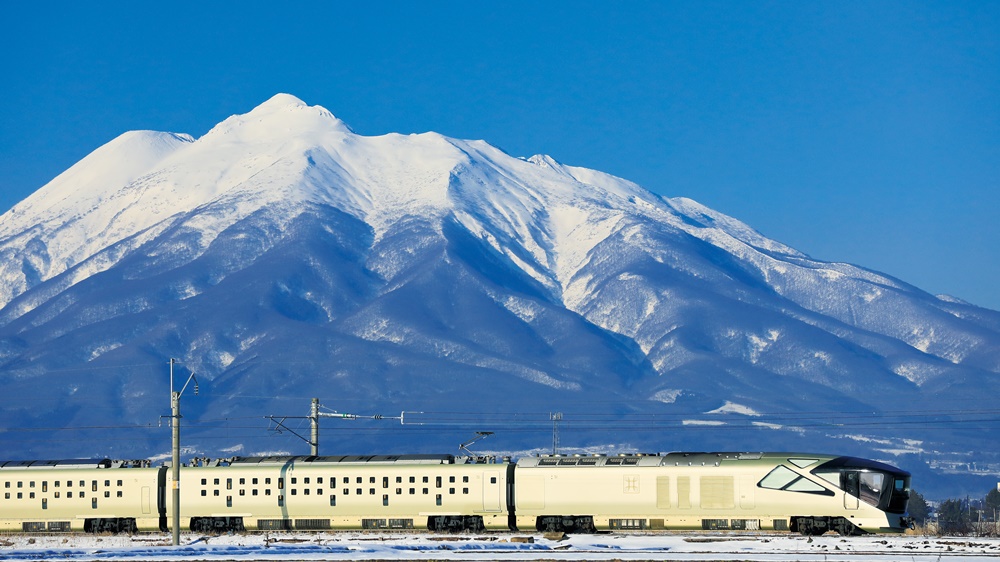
[(282, 256)]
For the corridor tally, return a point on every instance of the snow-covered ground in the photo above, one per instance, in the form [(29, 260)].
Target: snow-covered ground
[(523, 546)]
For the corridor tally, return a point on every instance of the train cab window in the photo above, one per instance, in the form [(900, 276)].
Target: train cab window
[(871, 486), (784, 478)]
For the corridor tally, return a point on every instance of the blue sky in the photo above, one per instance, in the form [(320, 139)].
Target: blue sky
[(865, 132)]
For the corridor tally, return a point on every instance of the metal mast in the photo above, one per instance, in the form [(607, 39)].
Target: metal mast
[(175, 464)]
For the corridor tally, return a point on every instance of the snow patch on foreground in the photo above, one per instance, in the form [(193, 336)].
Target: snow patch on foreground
[(496, 546)]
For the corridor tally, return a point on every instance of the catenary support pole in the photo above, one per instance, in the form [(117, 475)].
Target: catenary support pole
[(314, 421), (175, 417)]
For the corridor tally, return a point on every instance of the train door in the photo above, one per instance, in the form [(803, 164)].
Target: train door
[(852, 488), (492, 491)]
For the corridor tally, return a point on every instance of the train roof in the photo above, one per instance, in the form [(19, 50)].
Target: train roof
[(64, 463), (345, 459), (663, 459)]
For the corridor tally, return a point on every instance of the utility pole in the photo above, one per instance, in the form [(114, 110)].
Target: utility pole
[(555, 431), (175, 464), (314, 421)]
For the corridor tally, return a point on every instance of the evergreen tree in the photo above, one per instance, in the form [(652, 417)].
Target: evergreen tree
[(992, 502), (953, 518), (917, 507)]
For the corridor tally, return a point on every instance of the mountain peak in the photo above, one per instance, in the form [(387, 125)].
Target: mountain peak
[(282, 112)]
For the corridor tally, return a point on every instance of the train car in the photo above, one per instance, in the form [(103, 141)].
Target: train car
[(436, 492), (807, 493), (80, 495)]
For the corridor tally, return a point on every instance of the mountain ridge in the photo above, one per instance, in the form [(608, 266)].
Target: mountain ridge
[(431, 270)]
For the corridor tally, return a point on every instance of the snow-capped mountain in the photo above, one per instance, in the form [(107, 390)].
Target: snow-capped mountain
[(281, 256)]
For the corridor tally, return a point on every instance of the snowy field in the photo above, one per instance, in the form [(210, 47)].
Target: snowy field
[(522, 546)]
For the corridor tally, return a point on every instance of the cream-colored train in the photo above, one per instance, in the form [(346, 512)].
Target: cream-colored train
[(807, 493)]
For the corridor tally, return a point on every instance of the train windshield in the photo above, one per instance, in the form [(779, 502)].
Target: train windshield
[(873, 482)]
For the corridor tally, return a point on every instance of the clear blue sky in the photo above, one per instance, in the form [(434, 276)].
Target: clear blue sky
[(866, 132)]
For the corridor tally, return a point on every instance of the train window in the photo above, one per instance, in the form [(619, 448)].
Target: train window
[(107, 494), (778, 478), (20, 495), (399, 491), (204, 493), (804, 485), (306, 491), (359, 480), (333, 482), (305, 480), (385, 481), (253, 481), (93, 485), (267, 491), (56, 494), (82, 483), (31, 495), (425, 491), (281, 500), (451, 490), (45, 503), (451, 479), (437, 499), (871, 486), (371, 491), (802, 463), (465, 479), (243, 481), (437, 482), (253, 492), (294, 492), (243, 492), (69, 483), (319, 479), (107, 483), (347, 480), (319, 491), (267, 480), (45, 486), (93, 503), (333, 501), (371, 479), (216, 481), (20, 484), (119, 482), (426, 480), (32, 484), (68, 494), (413, 491), (229, 483), (295, 480), (229, 501), (413, 479), (360, 491), (399, 480), (465, 491), (215, 493), (385, 499), (493, 479), (204, 481), (119, 494), (347, 491), (56, 483), (281, 483)]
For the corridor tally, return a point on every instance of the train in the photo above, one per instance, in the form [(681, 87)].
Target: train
[(796, 492)]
